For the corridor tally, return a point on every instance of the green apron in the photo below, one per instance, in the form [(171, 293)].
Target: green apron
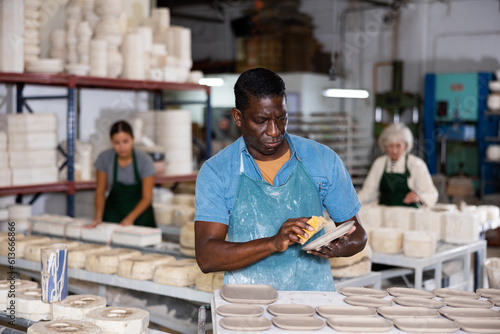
[(259, 211), (123, 198), (394, 187)]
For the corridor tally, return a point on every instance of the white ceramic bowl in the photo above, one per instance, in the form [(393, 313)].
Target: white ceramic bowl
[(494, 101), (494, 86)]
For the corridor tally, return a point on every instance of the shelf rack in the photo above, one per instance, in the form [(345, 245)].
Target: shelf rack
[(73, 84)]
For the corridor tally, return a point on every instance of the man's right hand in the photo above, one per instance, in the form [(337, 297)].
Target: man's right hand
[(289, 231)]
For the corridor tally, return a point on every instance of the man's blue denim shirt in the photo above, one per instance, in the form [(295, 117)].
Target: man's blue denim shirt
[(218, 179)]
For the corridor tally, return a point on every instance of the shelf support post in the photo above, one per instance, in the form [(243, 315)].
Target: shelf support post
[(71, 147), (19, 97)]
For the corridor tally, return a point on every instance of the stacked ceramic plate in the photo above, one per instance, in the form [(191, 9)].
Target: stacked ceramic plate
[(84, 34), (58, 44), (98, 58), (134, 57), (174, 133), (31, 30), (45, 65), (71, 41), (88, 13), (109, 8), (161, 19)]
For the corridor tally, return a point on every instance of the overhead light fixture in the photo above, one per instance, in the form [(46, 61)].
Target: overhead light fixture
[(346, 93), (211, 82)]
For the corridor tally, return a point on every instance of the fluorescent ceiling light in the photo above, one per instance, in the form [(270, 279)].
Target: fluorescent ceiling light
[(211, 81), (347, 93)]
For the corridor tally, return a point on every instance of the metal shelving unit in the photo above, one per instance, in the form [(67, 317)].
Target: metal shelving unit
[(73, 84)]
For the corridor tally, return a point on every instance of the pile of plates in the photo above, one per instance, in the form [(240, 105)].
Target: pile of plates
[(11, 36), (45, 65), (31, 34), (88, 13), (98, 58), (58, 44), (134, 57)]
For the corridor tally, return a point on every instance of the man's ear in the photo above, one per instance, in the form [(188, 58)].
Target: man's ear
[(237, 116)]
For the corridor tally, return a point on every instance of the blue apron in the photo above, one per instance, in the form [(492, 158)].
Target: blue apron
[(259, 210)]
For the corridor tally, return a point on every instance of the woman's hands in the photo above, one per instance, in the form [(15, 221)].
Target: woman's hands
[(412, 197)]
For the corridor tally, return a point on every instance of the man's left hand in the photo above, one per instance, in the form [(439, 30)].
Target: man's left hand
[(334, 248)]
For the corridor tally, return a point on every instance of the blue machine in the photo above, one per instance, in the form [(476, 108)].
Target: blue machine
[(456, 126)]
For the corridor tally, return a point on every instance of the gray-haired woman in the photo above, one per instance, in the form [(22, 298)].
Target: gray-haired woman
[(398, 178)]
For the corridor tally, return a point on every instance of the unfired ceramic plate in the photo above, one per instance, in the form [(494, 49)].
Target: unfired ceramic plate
[(245, 323), (467, 302), (240, 310), (327, 237), (367, 301), (467, 312), (327, 311), (360, 325), (495, 300), (391, 312), (426, 325), (290, 310), (355, 291), (418, 302), (447, 292), (298, 323), (489, 293), (401, 292), (480, 326), (249, 293)]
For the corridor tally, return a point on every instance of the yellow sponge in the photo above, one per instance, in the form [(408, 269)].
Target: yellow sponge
[(317, 223)]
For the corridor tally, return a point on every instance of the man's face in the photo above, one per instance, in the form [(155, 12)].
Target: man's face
[(263, 126)]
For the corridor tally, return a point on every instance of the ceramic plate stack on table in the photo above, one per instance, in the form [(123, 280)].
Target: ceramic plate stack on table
[(392, 313), (367, 301), (355, 291), (410, 292), (240, 310), (495, 300), (292, 310), (245, 323), (467, 302), (447, 292), (249, 293), (298, 323), (45, 65), (418, 302), (364, 325), (489, 293), (479, 326), (328, 311), (467, 312), (426, 325)]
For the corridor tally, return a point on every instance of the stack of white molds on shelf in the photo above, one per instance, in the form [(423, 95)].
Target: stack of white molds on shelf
[(120, 320), (492, 211), (83, 166), (141, 236), (32, 148), (98, 58), (399, 217), (387, 240), (32, 251), (8, 287), (100, 233), (75, 307), (134, 57), (106, 262), (352, 266), (431, 220), (186, 240), (56, 225), (179, 59), (32, 25), (371, 217), (20, 245), (11, 36), (19, 215), (78, 255), (5, 173), (64, 326), (174, 133), (462, 227), (89, 14), (178, 273), (209, 282), (29, 305), (109, 28), (142, 267), (83, 33), (419, 243), (58, 44)]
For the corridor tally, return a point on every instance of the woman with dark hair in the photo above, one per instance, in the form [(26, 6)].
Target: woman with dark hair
[(128, 174)]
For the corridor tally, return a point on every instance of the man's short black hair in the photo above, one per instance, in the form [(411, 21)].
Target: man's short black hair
[(259, 83)]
